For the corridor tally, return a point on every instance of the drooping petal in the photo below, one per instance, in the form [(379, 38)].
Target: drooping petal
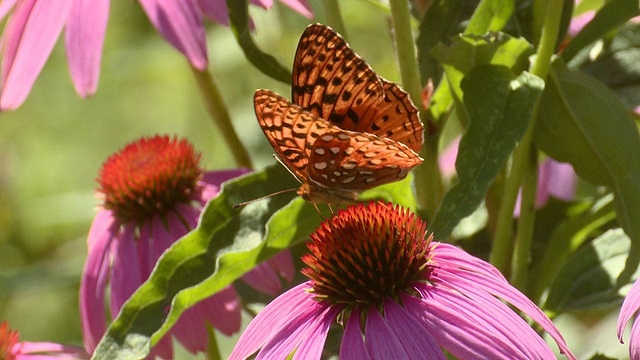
[(285, 308), (265, 4), (414, 338), (191, 330), (5, 7), (180, 22), (634, 341), (30, 35), (447, 159), (223, 310), (487, 278), (561, 178), (300, 6), (352, 346), (283, 264), (629, 307), (48, 350), (163, 348), (264, 279), (218, 177), (84, 39), (381, 341), (215, 10), (125, 278), (94, 279)]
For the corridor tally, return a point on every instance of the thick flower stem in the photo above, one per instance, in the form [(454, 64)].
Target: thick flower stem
[(334, 17), (428, 180), (522, 163), (220, 115)]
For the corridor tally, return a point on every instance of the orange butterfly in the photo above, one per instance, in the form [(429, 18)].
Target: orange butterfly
[(347, 130)]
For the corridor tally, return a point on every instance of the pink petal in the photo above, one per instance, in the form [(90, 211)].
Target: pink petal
[(315, 335), (180, 22), (301, 6), (265, 4), (284, 309), (84, 38), (283, 264), (561, 179), (447, 160), (218, 177), (30, 35), (5, 7), (634, 342), (578, 22), (264, 279), (352, 346), (222, 310), (629, 307), (191, 330), (414, 338), (125, 278), (380, 340), (163, 348), (215, 10), (94, 279), (57, 351)]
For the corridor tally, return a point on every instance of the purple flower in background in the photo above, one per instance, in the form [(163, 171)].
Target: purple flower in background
[(629, 308), (153, 192), (13, 349), (34, 26), (398, 295)]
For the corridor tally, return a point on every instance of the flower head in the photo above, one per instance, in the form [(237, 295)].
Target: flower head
[(398, 295), (629, 308), (12, 349), (153, 192)]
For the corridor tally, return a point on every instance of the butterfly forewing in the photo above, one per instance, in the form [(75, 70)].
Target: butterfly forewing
[(358, 161), (331, 81)]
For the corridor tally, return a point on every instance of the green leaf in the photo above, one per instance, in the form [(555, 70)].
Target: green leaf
[(467, 52), (613, 14), (499, 108), (226, 244), (582, 122), (490, 15), (587, 280), (239, 22)]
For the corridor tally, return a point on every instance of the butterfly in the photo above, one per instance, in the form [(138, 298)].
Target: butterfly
[(347, 129)]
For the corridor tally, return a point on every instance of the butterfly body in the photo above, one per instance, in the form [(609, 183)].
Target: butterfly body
[(347, 130)]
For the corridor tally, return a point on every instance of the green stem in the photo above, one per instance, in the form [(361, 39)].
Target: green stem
[(213, 352), (220, 115), (521, 155), (524, 234), (429, 186), (334, 17)]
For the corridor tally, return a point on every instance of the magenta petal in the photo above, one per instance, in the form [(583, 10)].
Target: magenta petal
[(215, 10), (414, 338), (180, 22), (125, 278), (5, 7), (285, 308), (30, 35), (94, 279), (218, 177), (301, 6), (40, 351), (223, 310), (191, 330), (352, 346), (264, 279), (629, 307), (265, 4), (163, 348), (447, 159), (634, 342), (561, 178), (380, 340), (283, 264), (84, 38)]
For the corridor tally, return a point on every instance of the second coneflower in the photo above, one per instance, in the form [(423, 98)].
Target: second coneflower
[(154, 191), (398, 295)]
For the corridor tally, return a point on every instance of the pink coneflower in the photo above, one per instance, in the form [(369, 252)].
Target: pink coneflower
[(398, 295), (35, 25), (153, 192), (13, 349), (629, 308)]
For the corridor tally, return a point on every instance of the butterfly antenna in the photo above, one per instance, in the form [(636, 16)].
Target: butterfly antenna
[(318, 210), (263, 197), (286, 167)]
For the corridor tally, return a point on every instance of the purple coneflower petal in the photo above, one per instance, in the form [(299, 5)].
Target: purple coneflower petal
[(223, 310), (31, 33), (163, 348), (411, 334), (352, 346), (380, 339), (94, 279), (578, 22), (145, 256), (629, 307), (264, 279), (215, 10), (283, 264), (179, 21), (5, 7), (272, 318), (218, 177), (191, 330), (447, 159), (125, 276), (561, 179), (47, 350), (265, 4), (84, 39)]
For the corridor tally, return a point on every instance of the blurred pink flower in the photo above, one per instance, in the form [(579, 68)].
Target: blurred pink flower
[(629, 308), (34, 26), (13, 349), (398, 295), (153, 192)]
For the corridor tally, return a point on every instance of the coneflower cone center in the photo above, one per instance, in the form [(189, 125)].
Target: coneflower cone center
[(367, 254), (8, 338), (149, 176)]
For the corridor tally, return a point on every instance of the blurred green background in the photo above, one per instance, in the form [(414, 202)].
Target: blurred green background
[(52, 147)]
